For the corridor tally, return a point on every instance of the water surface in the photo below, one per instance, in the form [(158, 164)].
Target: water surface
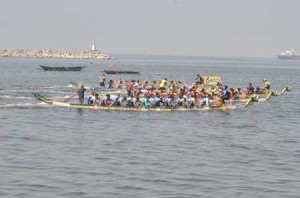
[(59, 152)]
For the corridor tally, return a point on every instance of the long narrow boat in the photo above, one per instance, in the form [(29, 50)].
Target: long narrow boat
[(266, 95), (95, 107), (121, 72), (48, 68)]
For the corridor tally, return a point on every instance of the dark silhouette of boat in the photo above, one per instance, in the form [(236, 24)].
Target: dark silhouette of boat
[(48, 68), (121, 72)]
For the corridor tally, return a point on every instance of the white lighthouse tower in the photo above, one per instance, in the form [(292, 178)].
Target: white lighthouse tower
[(94, 47)]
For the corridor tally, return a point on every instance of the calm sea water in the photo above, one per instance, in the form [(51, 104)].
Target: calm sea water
[(59, 152)]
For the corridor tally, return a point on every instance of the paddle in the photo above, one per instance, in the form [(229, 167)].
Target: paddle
[(70, 97)]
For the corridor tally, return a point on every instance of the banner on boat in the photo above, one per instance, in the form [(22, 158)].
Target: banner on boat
[(211, 80)]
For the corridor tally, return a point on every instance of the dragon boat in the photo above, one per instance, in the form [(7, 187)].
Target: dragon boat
[(244, 100), (265, 95), (98, 107), (244, 96)]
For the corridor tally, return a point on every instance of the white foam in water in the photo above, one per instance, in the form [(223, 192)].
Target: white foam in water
[(16, 105), (15, 97), (261, 99)]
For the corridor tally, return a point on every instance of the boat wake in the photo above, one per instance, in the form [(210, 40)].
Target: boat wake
[(15, 97), (23, 105)]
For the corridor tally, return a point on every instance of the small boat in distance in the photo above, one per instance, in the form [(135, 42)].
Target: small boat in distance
[(121, 72), (48, 68), (289, 55)]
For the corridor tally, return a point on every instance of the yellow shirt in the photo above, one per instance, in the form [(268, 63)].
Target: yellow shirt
[(267, 83), (163, 83)]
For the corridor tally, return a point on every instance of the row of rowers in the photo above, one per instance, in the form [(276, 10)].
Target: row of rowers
[(163, 85), (194, 95)]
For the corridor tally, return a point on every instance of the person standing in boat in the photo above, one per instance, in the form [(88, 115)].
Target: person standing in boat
[(130, 88), (163, 84), (199, 80), (267, 84), (102, 80), (250, 89), (80, 94), (110, 84)]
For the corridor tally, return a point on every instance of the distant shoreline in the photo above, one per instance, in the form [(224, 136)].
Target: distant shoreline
[(63, 54)]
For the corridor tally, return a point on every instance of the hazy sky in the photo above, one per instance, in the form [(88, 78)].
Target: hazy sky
[(245, 28)]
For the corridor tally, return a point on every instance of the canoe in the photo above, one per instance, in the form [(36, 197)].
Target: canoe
[(121, 72), (48, 68)]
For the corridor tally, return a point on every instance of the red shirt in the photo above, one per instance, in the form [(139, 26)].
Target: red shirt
[(130, 87)]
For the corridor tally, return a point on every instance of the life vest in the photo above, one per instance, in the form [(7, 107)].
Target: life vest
[(90, 100), (130, 87)]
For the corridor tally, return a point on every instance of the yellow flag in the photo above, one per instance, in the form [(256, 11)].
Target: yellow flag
[(212, 80)]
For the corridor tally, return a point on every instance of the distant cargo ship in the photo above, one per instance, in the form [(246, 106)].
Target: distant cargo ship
[(288, 54)]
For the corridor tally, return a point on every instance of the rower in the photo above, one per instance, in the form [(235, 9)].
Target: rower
[(120, 83), (145, 102), (250, 88), (181, 102), (136, 100), (233, 94), (120, 101), (191, 101), (138, 92), (116, 100), (110, 83), (107, 101), (201, 93), (91, 100), (163, 84), (199, 80), (257, 90), (168, 101), (156, 101), (130, 88), (149, 93), (204, 102), (170, 92), (267, 84), (238, 91), (225, 94), (102, 80)]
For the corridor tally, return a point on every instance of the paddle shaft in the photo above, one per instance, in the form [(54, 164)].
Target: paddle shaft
[(70, 97)]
